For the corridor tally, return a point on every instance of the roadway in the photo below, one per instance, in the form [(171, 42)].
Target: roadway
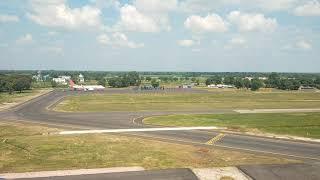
[(39, 110)]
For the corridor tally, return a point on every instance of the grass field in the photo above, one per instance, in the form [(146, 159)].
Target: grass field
[(190, 101), (6, 100), (297, 124), (25, 147)]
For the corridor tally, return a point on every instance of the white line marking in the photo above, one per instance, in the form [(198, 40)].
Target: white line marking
[(137, 130), (248, 111)]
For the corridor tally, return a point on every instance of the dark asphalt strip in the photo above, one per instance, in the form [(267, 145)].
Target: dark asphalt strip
[(35, 110)]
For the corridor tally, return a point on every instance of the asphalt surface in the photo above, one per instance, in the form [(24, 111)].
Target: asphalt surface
[(39, 110), (281, 172), (169, 174)]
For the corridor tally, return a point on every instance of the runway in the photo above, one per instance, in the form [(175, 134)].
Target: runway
[(39, 110)]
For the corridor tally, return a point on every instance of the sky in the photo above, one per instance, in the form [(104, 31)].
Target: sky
[(161, 35)]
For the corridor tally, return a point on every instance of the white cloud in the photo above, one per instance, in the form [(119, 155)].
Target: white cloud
[(210, 5), (103, 39), (56, 13), (311, 8), (155, 6), (210, 23), (132, 20), (27, 38), (4, 18), (304, 45), (252, 22), (146, 16), (186, 42), (118, 40)]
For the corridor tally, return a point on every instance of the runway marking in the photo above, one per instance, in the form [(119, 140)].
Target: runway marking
[(136, 130), (215, 139)]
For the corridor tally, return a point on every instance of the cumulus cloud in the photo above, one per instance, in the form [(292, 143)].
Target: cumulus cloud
[(156, 6), (210, 23), (210, 5), (4, 18), (118, 40), (56, 13), (27, 38), (186, 42), (311, 8), (252, 22), (146, 16), (133, 20)]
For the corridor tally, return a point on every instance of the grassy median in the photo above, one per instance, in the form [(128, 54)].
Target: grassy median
[(32, 148), (297, 124), (189, 101), (8, 100)]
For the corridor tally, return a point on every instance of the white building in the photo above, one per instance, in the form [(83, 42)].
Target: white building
[(220, 86), (62, 80), (81, 78), (37, 77)]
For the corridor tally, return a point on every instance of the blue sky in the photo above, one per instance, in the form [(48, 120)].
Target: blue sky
[(161, 35)]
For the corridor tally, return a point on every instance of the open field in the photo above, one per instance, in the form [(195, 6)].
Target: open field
[(28, 147), (297, 124), (236, 99), (9, 100)]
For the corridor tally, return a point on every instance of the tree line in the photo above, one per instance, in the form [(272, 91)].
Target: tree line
[(274, 80), (11, 83), (124, 80)]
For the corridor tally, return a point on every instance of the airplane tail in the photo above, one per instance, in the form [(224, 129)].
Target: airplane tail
[(71, 83)]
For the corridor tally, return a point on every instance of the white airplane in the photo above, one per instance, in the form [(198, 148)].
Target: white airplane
[(76, 87)]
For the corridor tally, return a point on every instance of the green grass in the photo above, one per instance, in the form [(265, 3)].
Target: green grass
[(236, 99), (16, 96), (25, 147), (297, 124)]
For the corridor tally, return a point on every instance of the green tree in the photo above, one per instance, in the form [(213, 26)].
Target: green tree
[(21, 83), (256, 84), (214, 80), (148, 78), (102, 82), (273, 80), (155, 83), (247, 83), (239, 83), (54, 84), (228, 80)]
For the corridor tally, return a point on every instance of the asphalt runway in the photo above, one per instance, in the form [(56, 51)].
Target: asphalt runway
[(39, 110), (168, 174)]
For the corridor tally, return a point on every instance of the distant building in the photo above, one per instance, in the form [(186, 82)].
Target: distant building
[(306, 88), (62, 80), (81, 78), (220, 86), (263, 78), (46, 77), (37, 77), (185, 86), (249, 78)]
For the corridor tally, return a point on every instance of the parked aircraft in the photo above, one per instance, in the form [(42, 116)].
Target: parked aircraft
[(76, 87)]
